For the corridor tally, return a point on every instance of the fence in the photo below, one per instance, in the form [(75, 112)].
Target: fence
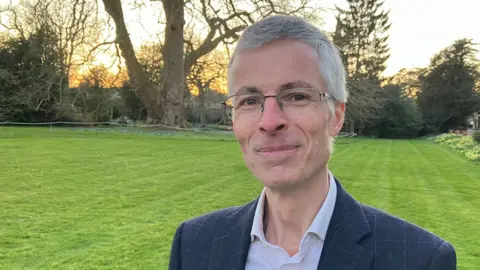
[(95, 124), (116, 124)]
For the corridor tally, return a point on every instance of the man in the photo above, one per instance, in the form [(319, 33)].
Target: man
[(287, 99)]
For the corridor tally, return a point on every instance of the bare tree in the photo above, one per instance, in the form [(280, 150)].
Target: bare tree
[(223, 20), (74, 23), (150, 57), (208, 74), (151, 95), (173, 58), (74, 27), (96, 98)]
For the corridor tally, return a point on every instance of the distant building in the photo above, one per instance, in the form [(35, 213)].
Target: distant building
[(474, 121)]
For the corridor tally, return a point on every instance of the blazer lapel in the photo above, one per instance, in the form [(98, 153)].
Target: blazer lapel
[(341, 250), (347, 228), (230, 250)]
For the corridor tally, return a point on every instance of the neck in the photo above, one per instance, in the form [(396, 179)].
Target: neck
[(288, 214)]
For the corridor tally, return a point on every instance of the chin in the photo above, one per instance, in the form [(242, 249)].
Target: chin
[(277, 177)]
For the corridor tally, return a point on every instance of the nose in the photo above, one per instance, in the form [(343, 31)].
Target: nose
[(273, 118)]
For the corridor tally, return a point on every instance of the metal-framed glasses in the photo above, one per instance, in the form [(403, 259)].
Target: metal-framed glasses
[(289, 100)]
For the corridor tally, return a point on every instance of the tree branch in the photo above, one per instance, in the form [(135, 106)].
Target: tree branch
[(208, 45)]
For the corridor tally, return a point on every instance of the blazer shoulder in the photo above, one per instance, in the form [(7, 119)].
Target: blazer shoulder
[(223, 213), (194, 237), (211, 217), (215, 222), (388, 225), (394, 239)]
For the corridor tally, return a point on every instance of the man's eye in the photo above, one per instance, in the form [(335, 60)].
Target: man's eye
[(300, 97), (250, 101), (297, 97)]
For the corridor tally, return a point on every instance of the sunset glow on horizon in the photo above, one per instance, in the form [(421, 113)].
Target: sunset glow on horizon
[(420, 28)]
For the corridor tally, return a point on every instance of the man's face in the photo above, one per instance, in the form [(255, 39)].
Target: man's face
[(283, 149)]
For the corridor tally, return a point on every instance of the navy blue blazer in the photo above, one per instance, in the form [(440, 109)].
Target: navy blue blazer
[(358, 237)]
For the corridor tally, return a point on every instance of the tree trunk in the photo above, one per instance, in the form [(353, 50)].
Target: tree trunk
[(150, 95), (476, 120), (173, 77), (351, 127), (201, 106)]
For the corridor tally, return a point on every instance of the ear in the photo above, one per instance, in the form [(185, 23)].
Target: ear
[(337, 119)]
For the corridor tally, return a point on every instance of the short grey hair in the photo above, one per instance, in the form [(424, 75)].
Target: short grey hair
[(282, 27)]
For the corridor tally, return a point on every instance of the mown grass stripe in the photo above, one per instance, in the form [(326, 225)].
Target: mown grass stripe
[(81, 200), (449, 211)]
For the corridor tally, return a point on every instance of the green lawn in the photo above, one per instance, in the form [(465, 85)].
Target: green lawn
[(91, 200)]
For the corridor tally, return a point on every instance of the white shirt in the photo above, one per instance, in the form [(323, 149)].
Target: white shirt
[(265, 256)]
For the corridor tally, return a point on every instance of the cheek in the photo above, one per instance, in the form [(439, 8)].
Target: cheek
[(242, 132), (313, 126), (316, 129)]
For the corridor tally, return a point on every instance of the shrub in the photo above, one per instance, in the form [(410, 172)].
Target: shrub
[(476, 136), (474, 153), (447, 137), (463, 144)]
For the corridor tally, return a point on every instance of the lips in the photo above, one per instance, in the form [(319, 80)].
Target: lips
[(278, 151), (277, 148)]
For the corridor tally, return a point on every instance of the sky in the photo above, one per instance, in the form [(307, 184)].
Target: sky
[(420, 28)]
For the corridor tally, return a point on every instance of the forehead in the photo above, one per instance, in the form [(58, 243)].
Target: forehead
[(273, 67)]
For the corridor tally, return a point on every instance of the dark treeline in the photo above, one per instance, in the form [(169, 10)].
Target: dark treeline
[(36, 70)]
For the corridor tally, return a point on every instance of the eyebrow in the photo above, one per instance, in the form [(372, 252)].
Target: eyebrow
[(295, 84), (249, 89)]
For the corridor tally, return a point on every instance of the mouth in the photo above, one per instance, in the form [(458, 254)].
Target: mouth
[(278, 151)]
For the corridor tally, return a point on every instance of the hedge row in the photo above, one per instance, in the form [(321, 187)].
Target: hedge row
[(463, 144)]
